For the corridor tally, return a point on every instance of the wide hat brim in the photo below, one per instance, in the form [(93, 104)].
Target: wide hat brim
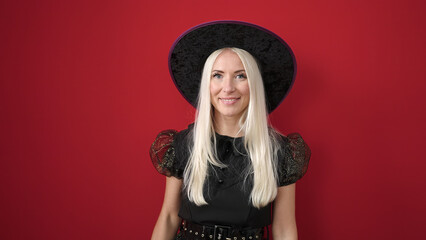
[(274, 57)]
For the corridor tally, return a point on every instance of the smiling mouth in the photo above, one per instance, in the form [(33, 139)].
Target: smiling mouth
[(229, 100)]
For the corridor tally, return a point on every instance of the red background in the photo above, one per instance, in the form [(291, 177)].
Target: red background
[(85, 89)]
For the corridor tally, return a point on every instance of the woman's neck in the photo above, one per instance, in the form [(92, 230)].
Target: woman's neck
[(227, 126)]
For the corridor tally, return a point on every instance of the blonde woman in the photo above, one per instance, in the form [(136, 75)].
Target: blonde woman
[(229, 174)]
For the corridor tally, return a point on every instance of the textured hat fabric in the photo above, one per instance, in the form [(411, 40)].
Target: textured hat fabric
[(275, 58)]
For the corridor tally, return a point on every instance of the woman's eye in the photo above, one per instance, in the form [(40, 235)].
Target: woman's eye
[(217, 75), (241, 76)]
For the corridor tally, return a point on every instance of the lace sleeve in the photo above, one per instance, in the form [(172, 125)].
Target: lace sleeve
[(294, 162), (163, 155)]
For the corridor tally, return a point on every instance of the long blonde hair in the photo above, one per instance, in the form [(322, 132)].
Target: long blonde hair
[(259, 139)]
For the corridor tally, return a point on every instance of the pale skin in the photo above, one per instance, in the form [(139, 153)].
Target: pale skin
[(229, 92), (168, 220)]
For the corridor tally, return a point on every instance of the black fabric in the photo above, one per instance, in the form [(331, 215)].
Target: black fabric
[(164, 156), (225, 191), (193, 231), (275, 58)]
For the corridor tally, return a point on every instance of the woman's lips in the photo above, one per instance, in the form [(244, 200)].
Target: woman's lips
[(228, 101)]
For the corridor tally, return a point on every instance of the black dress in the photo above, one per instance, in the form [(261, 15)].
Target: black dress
[(226, 191)]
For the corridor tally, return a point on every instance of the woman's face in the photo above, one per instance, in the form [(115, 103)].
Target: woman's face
[(229, 88)]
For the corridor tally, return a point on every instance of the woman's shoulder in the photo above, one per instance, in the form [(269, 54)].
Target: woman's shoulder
[(293, 158), (172, 137), (292, 140), (169, 151)]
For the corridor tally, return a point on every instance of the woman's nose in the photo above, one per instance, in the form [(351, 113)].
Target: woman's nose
[(228, 84)]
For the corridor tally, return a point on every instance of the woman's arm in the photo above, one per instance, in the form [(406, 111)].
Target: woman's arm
[(169, 221), (284, 216)]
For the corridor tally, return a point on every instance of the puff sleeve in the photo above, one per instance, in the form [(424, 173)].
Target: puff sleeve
[(294, 160), (163, 154)]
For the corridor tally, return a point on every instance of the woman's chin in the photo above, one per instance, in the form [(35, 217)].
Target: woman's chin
[(230, 114)]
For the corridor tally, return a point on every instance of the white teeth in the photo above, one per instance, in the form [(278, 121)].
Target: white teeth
[(228, 100)]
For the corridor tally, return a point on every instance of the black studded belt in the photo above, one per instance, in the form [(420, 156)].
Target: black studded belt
[(193, 231)]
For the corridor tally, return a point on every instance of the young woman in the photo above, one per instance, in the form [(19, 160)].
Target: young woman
[(225, 170)]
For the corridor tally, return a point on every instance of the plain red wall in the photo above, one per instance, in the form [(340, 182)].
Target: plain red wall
[(85, 89)]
